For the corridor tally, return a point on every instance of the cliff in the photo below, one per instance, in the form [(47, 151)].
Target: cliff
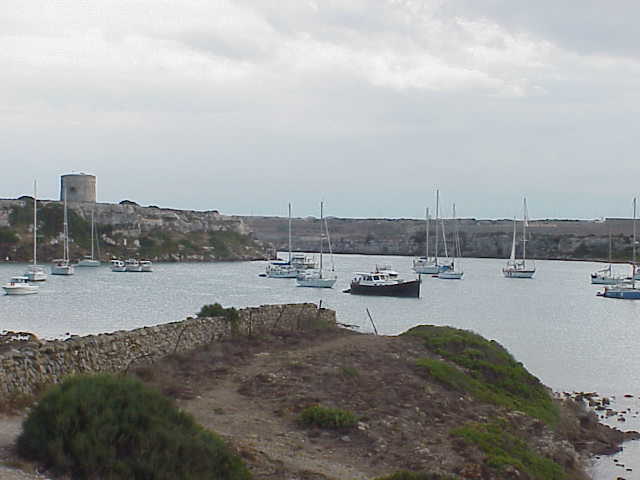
[(124, 230), (548, 239)]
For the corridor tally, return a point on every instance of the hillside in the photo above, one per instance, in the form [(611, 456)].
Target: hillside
[(124, 230)]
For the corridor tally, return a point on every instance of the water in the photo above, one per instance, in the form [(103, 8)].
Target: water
[(554, 323)]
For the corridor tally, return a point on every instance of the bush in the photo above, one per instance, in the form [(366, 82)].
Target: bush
[(323, 417), (115, 427), (8, 236), (217, 310), (487, 371)]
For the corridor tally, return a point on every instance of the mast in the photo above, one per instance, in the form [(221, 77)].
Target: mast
[(35, 222), (525, 221), (426, 227), (513, 242), (326, 228), (444, 239), (321, 235), (92, 212), (633, 265), (289, 233), (65, 225), (437, 217)]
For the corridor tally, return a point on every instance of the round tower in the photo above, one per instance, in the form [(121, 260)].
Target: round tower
[(80, 187)]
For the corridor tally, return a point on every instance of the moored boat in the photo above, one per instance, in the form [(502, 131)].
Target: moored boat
[(382, 284), (63, 266), (35, 272), (133, 265), (118, 266), (519, 268), (146, 265), (90, 261), (20, 286), (317, 278)]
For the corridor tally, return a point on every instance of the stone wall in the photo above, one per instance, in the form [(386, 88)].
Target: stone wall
[(26, 364)]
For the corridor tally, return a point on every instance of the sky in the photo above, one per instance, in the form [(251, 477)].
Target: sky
[(245, 105)]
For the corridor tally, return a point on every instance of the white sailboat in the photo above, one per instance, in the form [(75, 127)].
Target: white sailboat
[(519, 268), (281, 269), (455, 272), (62, 266), (426, 265), (35, 272), (316, 277), (626, 290), (91, 260), (605, 276)]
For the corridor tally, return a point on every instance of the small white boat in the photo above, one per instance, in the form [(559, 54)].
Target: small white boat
[(63, 266), (133, 265), (316, 278), (519, 268), (90, 261), (455, 271), (281, 270), (146, 265), (118, 266), (432, 265), (36, 273), (20, 286)]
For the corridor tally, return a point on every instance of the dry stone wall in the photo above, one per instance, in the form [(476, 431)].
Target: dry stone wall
[(27, 364)]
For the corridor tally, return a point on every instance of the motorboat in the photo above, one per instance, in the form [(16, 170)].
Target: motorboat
[(519, 268), (118, 266), (316, 277), (383, 284), (146, 265), (35, 272), (20, 286), (133, 265)]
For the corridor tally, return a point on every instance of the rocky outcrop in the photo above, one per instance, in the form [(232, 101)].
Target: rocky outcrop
[(126, 230), (27, 364)]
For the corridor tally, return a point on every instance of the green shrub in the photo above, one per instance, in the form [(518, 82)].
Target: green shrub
[(349, 372), (323, 417), (489, 371), (116, 428), (504, 449), (8, 236), (217, 310)]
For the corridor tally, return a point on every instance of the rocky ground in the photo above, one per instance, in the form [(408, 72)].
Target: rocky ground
[(251, 391)]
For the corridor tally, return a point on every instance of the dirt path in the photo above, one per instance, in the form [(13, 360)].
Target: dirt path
[(259, 431), (10, 428)]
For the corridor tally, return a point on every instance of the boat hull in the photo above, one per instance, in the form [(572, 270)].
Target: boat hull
[(427, 269), (62, 270), (604, 280), (518, 273), (36, 276), (403, 289), (316, 282), (621, 293), (20, 290), (88, 263), (450, 275)]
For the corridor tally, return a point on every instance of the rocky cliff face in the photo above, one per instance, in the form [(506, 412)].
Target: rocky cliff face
[(547, 239), (126, 230)]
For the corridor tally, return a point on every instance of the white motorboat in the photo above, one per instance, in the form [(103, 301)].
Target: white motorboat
[(35, 272), (519, 268), (133, 265), (317, 278), (118, 266), (63, 266), (20, 286), (90, 261), (146, 265)]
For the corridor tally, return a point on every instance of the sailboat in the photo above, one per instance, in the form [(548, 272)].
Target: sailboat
[(90, 261), (605, 276), (35, 272), (316, 277), (626, 290), (455, 272), (519, 268), (282, 269), (62, 266), (426, 265)]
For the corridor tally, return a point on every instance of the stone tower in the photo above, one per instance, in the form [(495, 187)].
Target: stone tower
[(80, 187)]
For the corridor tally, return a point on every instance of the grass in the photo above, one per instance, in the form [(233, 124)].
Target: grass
[(484, 369), (329, 418), (504, 449), (349, 372), (114, 427)]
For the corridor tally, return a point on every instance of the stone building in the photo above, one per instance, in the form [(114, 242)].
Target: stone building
[(80, 187)]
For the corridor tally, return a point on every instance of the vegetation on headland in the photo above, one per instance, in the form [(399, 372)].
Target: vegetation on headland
[(504, 449), (216, 310), (484, 369), (114, 427), (325, 417)]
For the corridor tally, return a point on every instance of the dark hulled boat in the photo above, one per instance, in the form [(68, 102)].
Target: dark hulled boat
[(383, 284)]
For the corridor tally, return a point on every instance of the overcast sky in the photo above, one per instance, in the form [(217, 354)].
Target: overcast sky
[(244, 105)]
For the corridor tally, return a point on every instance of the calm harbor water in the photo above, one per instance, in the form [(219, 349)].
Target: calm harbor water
[(554, 323)]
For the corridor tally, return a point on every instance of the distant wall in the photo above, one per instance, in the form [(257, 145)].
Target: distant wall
[(26, 364)]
